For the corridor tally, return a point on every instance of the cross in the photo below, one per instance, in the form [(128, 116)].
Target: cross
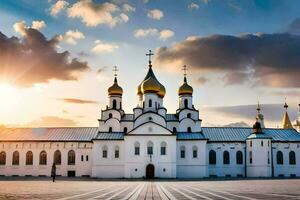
[(149, 55), (115, 70), (184, 69)]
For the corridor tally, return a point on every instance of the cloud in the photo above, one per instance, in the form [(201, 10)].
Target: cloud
[(101, 47), (193, 6), (166, 34), (265, 59), (34, 59), (201, 81), (94, 14), (128, 8), (71, 36), (58, 6), (21, 27), (163, 34), (237, 124), (77, 101), (52, 121), (155, 14)]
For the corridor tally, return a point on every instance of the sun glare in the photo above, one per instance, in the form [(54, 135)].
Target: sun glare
[(9, 98)]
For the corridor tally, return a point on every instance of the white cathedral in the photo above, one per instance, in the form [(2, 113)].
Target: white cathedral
[(150, 143)]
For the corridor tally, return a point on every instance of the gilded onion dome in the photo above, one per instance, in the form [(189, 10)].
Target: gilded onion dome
[(185, 88), (162, 91), (115, 89)]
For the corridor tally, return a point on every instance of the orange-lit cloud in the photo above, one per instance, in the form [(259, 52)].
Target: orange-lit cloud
[(78, 101)]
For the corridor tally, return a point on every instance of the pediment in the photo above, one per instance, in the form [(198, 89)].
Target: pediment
[(150, 128)]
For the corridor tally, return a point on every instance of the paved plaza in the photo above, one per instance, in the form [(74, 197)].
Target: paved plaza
[(157, 189)]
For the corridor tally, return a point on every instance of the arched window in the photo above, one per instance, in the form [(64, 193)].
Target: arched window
[(29, 158), (292, 158), (104, 152), (163, 148), (43, 158), (182, 152), (250, 157), (110, 115), (117, 152), (195, 152), (189, 129), (262, 143), (250, 143), (125, 130), (239, 158), (137, 149), (150, 148), (114, 104), (226, 158), (212, 157), (2, 158), (71, 157), (188, 115), (150, 103), (174, 129), (279, 157), (57, 157), (186, 103), (16, 158), (110, 129)]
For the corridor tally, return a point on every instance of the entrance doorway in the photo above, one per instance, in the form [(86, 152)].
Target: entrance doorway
[(150, 171)]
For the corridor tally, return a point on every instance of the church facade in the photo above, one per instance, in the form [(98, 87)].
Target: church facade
[(151, 143)]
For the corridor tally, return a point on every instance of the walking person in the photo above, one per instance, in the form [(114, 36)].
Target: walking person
[(53, 172)]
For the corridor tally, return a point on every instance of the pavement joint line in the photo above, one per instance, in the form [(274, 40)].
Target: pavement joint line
[(194, 193), (87, 193), (128, 196), (116, 194), (162, 195), (167, 193), (235, 195), (211, 193), (137, 193), (111, 191), (184, 194)]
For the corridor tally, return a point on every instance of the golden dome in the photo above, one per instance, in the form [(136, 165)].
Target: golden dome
[(150, 85), (115, 89), (139, 90), (185, 88), (162, 91)]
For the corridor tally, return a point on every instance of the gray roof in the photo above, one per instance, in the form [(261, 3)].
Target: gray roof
[(190, 136), (110, 136), (227, 134), (48, 134), (171, 117), (127, 117)]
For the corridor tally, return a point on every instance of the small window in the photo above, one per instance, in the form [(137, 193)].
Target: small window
[(195, 152), (250, 157), (114, 104), (86, 158), (268, 157), (110, 129), (104, 152), (185, 103), (212, 157), (150, 148), (292, 158), (189, 129), (117, 152), (16, 158), (137, 149), (82, 158), (125, 130), (174, 130), (43, 158), (189, 115), (110, 115), (29, 158), (150, 103), (57, 157), (279, 157), (71, 157), (2, 158), (262, 143), (250, 143), (226, 158), (239, 158), (182, 152), (163, 148)]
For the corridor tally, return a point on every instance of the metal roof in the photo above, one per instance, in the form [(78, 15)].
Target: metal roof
[(190, 136), (171, 117), (48, 134), (110, 136), (227, 134), (127, 117)]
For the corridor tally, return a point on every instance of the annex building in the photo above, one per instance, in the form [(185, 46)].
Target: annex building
[(150, 142)]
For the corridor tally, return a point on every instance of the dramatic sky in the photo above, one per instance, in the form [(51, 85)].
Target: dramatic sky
[(56, 57)]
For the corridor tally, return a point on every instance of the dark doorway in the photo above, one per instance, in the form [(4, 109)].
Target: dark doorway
[(150, 171), (71, 173)]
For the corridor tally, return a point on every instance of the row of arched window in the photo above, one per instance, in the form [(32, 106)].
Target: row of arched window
[(42, 158), (292, 158), (226, 157)]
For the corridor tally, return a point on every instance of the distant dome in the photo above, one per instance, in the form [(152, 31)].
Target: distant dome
[(257, 127), (115, 89), (185, 88)]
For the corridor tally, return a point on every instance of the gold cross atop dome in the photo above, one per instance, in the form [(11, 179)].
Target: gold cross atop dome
[(115, 70), (149, 55), (184, 68)]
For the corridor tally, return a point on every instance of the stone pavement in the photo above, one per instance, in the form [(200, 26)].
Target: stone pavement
[(157, 189)]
